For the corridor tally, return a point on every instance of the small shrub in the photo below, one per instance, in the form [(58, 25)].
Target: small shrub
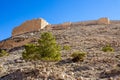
[(107, 48), (78, 56), (3, 53), (66, 47)]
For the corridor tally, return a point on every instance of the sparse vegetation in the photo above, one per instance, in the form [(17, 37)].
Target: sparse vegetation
[(108, 48), (85, 59), (66, 47), (31, 52), (3, 53), (47, 49), (78, 56)]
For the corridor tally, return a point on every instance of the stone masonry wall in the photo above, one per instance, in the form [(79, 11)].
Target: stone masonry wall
[(84, 23), (37, 24), (28, 26), (93, 22), (43, 24), (61, 26), (103, 21)]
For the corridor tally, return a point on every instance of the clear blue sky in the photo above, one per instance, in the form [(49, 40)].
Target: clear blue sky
[(15, 12)]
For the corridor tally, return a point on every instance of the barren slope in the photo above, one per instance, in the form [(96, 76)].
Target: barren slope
[(97, 65)]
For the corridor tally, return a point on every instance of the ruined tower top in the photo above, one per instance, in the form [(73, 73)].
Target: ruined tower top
[(31, 25)]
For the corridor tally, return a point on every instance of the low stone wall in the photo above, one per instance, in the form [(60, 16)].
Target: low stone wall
[(85, 23), (93, 22), (28, 26), (101, 21), (115, 21), (61, 26)]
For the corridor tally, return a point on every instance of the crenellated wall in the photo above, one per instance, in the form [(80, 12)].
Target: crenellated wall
[(28, 26)]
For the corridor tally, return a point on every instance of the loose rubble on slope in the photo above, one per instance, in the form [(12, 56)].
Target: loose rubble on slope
[(98, 65)]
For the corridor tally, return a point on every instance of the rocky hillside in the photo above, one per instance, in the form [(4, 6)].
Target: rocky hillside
[(98, 65)]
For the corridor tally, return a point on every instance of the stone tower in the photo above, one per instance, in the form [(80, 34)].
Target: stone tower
[(104, 20), (31, 25)]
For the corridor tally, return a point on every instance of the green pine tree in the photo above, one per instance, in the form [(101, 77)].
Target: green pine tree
[(47, 49), (31, 52)]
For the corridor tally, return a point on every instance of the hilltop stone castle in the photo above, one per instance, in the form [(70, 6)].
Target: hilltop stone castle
[(19, 33), (38, 24)]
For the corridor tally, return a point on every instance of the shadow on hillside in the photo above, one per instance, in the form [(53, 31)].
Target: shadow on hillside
[(65, 61), (19, 75), (111, 73)]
